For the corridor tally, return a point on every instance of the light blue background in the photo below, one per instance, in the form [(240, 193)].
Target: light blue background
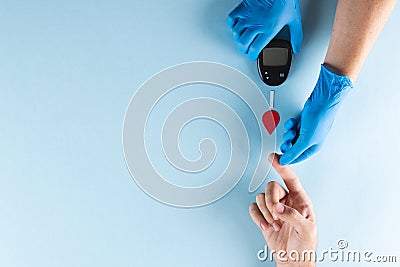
[(67, 72)]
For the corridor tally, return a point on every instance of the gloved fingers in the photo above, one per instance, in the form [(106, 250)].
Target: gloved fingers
[(235, 15), (306, 154), (298, 126), (286, 146), (290, 123), (296, 36), (289, 136), (247, 37), (298, 148), (258, 44), (238, 29)]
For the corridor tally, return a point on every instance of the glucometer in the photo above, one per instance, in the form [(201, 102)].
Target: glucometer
[(275, 59)]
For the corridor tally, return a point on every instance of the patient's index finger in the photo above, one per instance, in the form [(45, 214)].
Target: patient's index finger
[(288, 175)]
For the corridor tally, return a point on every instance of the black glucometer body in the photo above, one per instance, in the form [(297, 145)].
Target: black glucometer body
[(275, 59)]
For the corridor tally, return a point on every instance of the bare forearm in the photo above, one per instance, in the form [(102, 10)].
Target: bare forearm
[(356, 27)]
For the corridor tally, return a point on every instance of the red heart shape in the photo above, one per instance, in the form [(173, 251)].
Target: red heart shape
[(271, 119)]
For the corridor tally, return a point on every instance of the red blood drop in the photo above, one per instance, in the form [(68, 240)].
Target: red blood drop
[(271, 119)]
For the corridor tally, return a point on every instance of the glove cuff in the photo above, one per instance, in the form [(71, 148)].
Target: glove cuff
[(331, 88), (340, 82)]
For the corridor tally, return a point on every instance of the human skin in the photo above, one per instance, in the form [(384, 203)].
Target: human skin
[(286, 218), (355, 30)]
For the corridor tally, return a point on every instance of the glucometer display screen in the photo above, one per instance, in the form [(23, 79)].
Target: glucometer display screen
[(275, 56)]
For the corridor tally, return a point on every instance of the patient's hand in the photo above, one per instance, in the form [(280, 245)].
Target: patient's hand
[(286, 219)]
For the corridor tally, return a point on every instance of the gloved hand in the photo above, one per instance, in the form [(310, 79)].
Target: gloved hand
[(305, 137), (255, 23)]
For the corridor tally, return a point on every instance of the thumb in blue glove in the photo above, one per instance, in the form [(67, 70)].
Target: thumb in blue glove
[(305, 137), (255, 23)]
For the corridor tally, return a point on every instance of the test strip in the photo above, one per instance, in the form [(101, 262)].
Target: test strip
[(271, 99)]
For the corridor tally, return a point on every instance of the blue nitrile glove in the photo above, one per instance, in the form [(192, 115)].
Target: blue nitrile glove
[(305, 137), (255, 23)]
